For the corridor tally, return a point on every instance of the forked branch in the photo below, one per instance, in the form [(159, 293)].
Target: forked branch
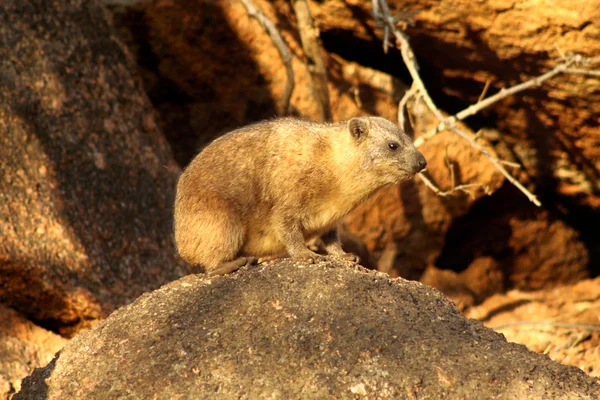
[(382, 15), (473, 109)]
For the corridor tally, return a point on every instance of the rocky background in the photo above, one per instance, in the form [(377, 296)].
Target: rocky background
[(103, 104)]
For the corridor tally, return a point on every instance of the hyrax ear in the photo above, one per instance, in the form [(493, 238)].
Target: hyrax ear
[(405, 122), (359, 127)]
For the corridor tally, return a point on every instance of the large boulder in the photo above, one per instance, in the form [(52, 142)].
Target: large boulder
[(289, 330), (86, 178)]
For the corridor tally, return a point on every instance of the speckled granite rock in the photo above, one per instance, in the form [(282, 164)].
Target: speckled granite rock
[(288, 330)]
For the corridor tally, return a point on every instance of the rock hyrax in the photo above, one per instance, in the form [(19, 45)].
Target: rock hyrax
[(267, 188)]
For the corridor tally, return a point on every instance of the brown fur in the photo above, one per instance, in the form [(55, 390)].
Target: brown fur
[(264, 189)]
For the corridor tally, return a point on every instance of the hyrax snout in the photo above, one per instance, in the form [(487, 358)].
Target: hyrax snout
[(267, 188)]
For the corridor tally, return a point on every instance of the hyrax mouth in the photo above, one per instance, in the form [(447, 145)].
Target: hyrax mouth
[(420, 164)]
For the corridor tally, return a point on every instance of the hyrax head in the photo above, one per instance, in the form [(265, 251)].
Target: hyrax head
[(387, 150)]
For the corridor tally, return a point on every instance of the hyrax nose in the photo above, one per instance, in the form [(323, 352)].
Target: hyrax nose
[(420, 163)]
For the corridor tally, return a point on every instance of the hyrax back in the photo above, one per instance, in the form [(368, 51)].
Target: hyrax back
[(264, 189)]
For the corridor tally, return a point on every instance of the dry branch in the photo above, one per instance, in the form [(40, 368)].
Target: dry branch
[(473, 109), (581, 71), (454, 187), (498, 164), (283, 50), (382, 15), (484, 91), (309, 35), (403, 113), (459, 188)]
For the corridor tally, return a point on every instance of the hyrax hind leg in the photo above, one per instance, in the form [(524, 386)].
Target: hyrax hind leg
[(333, 246), (227, 267), (212, 238), (224, 245)]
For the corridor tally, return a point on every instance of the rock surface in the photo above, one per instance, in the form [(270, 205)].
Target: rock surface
[(533, 247), (561, 322), (288, 330), (23, 347), (86, 177)]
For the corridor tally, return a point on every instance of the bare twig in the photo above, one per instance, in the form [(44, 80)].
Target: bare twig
[(484, 91), (462, 188), (454, 188), (581, 71), (450, 122), (402, 110), (498, 164), (408, 56), (309, 35), (473, 109), (509, 163), (383, 18), (356, 94), (283, 50), (559, 51), (450, 166)]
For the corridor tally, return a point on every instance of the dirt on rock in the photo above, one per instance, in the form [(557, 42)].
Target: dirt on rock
[(286, 330)]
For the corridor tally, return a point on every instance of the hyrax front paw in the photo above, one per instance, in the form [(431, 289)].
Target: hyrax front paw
[(350, 257), (338, 252), (309, 257)]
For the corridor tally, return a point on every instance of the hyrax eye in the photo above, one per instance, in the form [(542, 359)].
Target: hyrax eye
[(393, 145)]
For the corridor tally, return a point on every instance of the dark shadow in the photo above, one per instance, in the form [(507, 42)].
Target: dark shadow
[(505, 308), (413, 266), (470, 237), (365, 52), (171, 101), (585, 220), (35, 386), (486, 230), (27, 291), (192, 111)]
